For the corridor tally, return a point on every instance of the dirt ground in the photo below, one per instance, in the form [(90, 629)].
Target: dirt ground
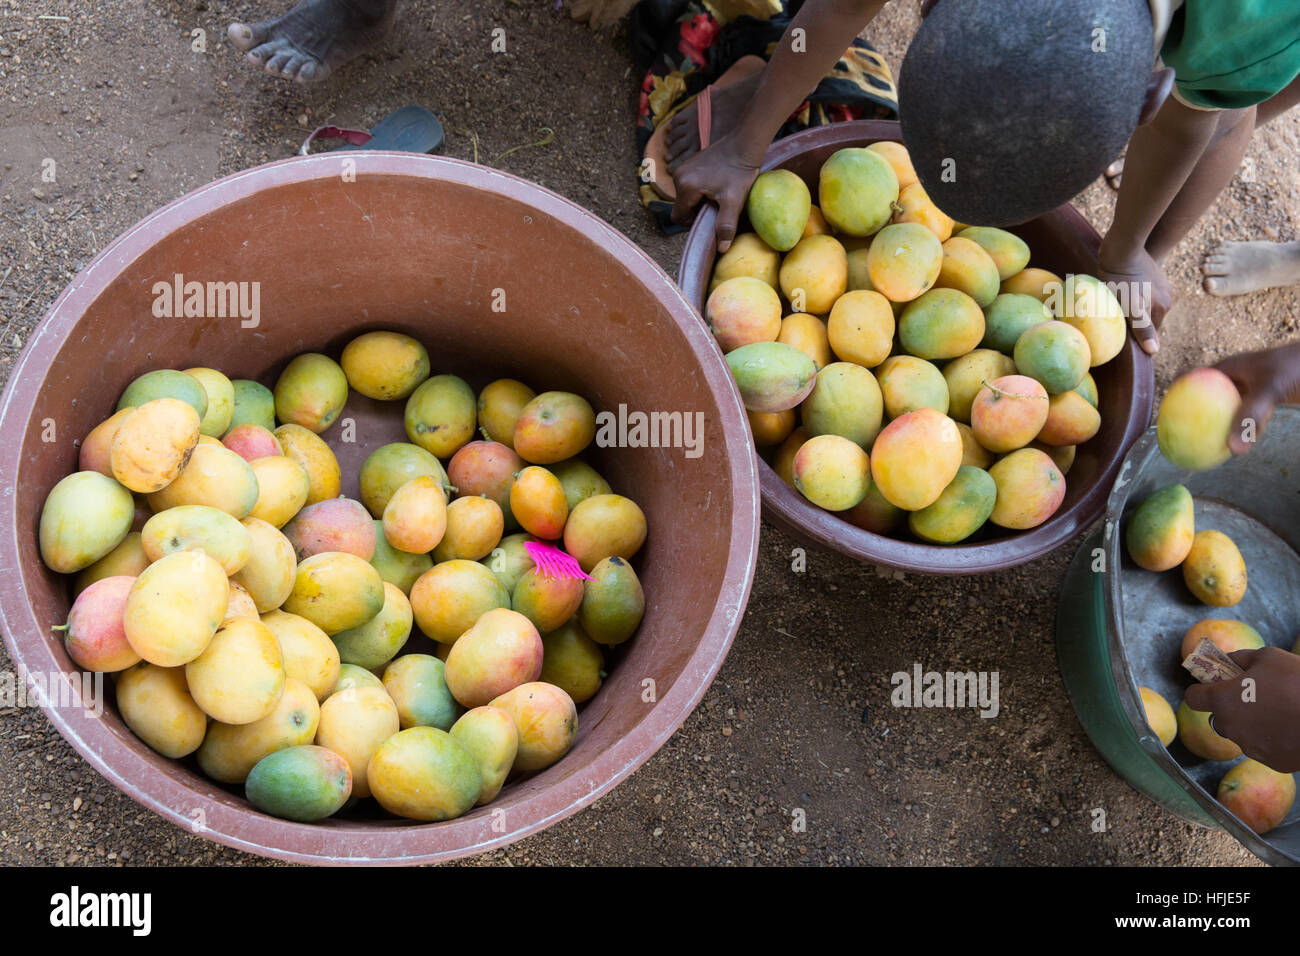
[(799, 717)]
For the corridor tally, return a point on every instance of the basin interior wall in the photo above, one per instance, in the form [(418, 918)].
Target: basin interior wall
[(493, 288)]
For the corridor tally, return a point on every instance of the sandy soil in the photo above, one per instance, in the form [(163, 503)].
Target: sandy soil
[(799, 717)]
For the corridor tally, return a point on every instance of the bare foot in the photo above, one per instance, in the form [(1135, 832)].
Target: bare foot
[(728, 103), (1115, 173), (1143, 290), (1236, 268), (315, 38)]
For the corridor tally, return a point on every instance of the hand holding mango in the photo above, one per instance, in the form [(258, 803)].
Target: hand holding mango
[(1265, 379), (1264, 727), (249, 615)]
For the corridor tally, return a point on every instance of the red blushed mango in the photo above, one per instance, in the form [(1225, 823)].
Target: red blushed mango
[(1257, 795), (474, 528), (875, 513), (499, 407), (546, 601), (501, 651), (339, 524), (94, 636), (1160, 532), (416, 517), (449, 597), (832, 472), (1197, 413), (915, 206), (97, 448), (547, 722), (1008, 413), (1227, 635), (485, 468), (915, 457), (604, 526), (771, 428), (251, 442), (538, 502), (742, 311), (1214, 569), (904, 259), (554, 426), (1071, 420), (1030, 489)]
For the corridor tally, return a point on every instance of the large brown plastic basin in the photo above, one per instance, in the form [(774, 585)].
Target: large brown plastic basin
[(418, 244), (1061, 241)]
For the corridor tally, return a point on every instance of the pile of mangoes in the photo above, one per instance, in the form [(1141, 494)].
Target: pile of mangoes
[(253, 617), (1161, 535), (900, 369)]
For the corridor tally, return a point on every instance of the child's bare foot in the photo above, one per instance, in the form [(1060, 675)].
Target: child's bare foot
[(1236, 268), (314, 38), (1143, 290), (1115, 173), (728, 103)]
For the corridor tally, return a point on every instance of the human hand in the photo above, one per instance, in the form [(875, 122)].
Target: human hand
[(722, 173), (1265, 379), (1147, 294), (1263, 716)]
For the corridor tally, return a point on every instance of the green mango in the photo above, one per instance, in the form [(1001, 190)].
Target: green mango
[(778, 207)]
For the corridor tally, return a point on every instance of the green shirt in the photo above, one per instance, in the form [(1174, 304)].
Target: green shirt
[(1231, 54)]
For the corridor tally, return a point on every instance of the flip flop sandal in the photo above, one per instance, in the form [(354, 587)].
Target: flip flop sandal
[(656, 150), (411, 129)]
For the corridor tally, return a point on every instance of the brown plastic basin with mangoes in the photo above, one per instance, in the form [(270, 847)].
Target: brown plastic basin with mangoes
[(427, 246), (1061, 241)]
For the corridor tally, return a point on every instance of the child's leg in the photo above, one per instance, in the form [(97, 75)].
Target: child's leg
[(1236, 268), (1162, 157), (1218, 163)]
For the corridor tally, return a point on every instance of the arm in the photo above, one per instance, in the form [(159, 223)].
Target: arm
[(725, 171), (1266, 728), (1267, 378)]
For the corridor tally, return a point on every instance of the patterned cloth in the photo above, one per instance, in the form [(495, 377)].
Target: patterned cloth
[(685, 45)]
